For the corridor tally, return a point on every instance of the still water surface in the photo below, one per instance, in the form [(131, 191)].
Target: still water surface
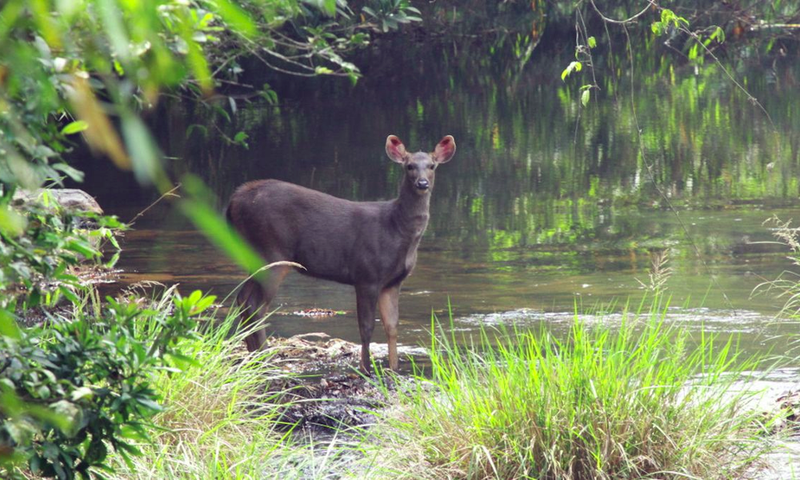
[(546, 207)]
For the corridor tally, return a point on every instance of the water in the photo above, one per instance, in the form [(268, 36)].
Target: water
[(547, 207)]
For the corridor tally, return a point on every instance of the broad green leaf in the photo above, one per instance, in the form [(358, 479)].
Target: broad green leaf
[(236, 17), (585, 97), (202, 304), (69, 294), (213, 226), (11, 223), (592, 42), (75, 127), (114, 26), (145, 156), (71, 172), (80, 393), (8, 325), (149, 404), (83, 248), (330, 7)]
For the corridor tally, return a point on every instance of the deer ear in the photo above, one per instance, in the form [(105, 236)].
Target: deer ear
[(395, 149), (445, 149)]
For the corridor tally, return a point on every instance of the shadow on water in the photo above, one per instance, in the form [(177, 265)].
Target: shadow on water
[(546, 206)]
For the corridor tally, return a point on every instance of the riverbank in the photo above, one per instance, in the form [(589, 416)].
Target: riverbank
[(301, 411)]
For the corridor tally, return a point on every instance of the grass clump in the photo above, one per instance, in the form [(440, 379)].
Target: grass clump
[(645, 400), (219, 417)]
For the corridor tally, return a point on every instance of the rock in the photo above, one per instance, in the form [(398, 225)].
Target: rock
[(70, 198)]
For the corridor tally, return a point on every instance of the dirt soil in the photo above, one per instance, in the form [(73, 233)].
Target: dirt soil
[(329, 393)]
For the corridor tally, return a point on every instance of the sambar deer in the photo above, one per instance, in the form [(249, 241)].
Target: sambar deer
[(370, 245)]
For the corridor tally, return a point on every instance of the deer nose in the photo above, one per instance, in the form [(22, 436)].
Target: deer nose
[(423, 184)]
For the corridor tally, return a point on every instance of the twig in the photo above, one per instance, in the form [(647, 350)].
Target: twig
[(627, 20), (167, 194)]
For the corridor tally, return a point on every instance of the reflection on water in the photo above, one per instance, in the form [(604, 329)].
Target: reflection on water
[(546, 207)]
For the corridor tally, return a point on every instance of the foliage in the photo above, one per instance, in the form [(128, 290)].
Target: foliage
[(646, 400), (37, 259), (82, 386), (221, 415), (84, 67), (391, 14)]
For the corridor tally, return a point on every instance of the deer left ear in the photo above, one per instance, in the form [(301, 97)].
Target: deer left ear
[(445, 149)]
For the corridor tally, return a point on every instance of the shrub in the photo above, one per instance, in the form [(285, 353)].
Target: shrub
[(39, 255), (82, 386), (219, 415)]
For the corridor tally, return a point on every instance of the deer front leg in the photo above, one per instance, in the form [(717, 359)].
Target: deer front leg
[(389, 306), (366, 301)]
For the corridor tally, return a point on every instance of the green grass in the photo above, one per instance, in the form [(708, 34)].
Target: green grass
[(218, 419), (640, 400)]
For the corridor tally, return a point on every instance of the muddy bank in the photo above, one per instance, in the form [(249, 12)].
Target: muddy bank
[(326, 392)]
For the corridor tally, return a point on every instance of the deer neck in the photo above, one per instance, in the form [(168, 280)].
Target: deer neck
[(411, 209)]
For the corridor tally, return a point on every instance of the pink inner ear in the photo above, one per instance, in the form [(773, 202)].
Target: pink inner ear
[(395, 149), (395, 146), (445, 149)]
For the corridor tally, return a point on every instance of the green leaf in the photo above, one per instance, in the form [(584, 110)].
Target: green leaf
[(144, 153), (330, 7), (83, 248), (235, 17), (182, 360), (693, 52), (200, 128), (12, 223), (572, 67), (206, 218), (71, 172), (585, 97), (74, 127), (80, 393), (43, 392), (114, 25), (69, 294), (149, 404), (8, 326), (240, 137), (657, 28), (592, 42), (202, 304), (718, 35)]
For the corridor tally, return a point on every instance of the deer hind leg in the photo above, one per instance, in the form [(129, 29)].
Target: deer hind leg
[(389, 306), (366, 301), (254, 297)]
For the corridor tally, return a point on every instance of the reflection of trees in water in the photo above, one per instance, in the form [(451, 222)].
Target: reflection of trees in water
[(533, 167)]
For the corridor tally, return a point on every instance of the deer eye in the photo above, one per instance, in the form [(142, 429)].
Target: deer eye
[(433, 166), (410, 167)]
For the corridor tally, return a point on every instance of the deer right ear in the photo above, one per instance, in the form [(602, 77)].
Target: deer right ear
[(395, 149)]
